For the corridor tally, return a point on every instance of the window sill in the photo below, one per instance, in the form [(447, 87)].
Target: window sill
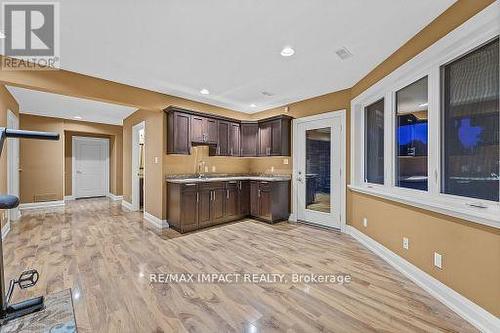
[(440, 204)]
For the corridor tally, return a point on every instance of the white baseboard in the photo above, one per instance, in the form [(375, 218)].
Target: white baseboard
[(470, 311), (114, 197), (127, 205), (5, 230), (292, 218), (39, 205), (161, 224), (69, 198)]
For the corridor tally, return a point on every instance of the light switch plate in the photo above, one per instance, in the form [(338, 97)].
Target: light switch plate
[(365, 222), (438, 260), (285, 161), (406, 243)]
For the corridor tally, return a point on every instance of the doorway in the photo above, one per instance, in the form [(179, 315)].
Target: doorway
[(319, 164), (138, 165), (13, 164), (90, 171)]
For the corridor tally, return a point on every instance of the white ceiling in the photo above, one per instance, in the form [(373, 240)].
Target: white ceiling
[(232, 47), (53, 105)]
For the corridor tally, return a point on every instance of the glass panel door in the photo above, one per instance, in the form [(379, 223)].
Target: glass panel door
[(318, 147)]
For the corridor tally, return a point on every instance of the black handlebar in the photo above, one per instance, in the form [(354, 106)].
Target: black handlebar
[(13, 133)]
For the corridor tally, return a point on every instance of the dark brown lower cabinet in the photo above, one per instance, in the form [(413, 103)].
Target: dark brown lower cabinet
[(199, 205)]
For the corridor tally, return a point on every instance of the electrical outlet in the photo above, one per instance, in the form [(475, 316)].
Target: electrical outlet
[(272, 169), (206, 168), (406, 243), (438, 260), (365, 222), (285, 161), (156, 159), (213, 168)]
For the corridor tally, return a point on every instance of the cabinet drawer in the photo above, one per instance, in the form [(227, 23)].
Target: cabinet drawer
[(189, 187), (211, 186), (265, 186)]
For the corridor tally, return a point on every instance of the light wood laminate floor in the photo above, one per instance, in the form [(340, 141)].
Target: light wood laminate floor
[(106, 255)]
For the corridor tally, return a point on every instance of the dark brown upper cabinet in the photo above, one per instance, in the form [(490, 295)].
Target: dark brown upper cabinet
[(249, 139), (223, 145), (179, 128), (226, 136), (234, 139), (204, 130), (274, 136)]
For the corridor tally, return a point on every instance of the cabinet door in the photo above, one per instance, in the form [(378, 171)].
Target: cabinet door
[(211, 130), (217, 208), (197, 129), (265, 203), (244, 189), (204, 204), (234, 139), (232, 201), (181, 133), (189, 209), (275, 137), (223, 146), (249, 139), (265, 139), (254, 199)]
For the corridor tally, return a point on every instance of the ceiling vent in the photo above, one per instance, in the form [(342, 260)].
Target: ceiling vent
[(267, 93), (343, 53)]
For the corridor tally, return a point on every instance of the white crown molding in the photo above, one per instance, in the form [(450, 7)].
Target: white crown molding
[(114, 197), (127, 205), (39, 205), (5, 230), (470, 311), (161, 224)]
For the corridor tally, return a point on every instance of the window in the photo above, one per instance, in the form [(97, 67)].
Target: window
[(470, 124), (411, 136), (374, 143)]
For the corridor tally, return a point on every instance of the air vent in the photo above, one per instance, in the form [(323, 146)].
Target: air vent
[(267, 93), (343, 53)]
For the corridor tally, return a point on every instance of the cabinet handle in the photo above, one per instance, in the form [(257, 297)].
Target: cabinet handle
[(258, 193), (197, 197), (227, 194), (239, 185), (190, 184), (264, 182), (211, 196), (268, 151), (214, 194)]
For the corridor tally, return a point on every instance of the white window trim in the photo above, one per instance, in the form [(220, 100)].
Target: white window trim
[(480, 29)]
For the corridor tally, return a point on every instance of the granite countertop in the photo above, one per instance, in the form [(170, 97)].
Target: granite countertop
[(219, 178)]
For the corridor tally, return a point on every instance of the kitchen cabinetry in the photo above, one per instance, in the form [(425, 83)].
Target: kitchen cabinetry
[(226, 136), (193, 206), (204, 130), (179, 141), (274, 136), (270, 201), (249, 139)]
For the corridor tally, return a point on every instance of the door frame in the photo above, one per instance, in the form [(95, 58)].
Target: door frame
[(134, 167), (341, 114), (13, 122), (74, 139)]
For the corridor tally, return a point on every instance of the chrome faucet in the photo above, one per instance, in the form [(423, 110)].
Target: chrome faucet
[(201, 168)]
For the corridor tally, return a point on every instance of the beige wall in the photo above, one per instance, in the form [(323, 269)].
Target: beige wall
[(46, 165), (7, 102)]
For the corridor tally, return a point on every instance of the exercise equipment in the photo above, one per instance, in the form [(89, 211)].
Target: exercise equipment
[(30, 277)]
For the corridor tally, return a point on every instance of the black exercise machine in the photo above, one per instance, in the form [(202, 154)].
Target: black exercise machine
[(30, 277)]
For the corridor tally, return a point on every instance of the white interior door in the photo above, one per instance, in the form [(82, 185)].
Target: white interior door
[(318, 171), (90, 167), (13, 164)]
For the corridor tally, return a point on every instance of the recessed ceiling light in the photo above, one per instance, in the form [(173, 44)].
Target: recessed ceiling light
[(287, 52), (204, 91), (253, 105), (77, 117)]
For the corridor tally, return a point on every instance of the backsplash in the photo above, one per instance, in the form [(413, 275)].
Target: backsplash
[(188, 164)]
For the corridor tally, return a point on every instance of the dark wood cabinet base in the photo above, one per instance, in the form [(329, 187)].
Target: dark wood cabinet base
[(199, 205)]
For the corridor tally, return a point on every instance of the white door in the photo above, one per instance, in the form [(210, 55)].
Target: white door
[(90, 167), (318, 178), (13, 164)]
